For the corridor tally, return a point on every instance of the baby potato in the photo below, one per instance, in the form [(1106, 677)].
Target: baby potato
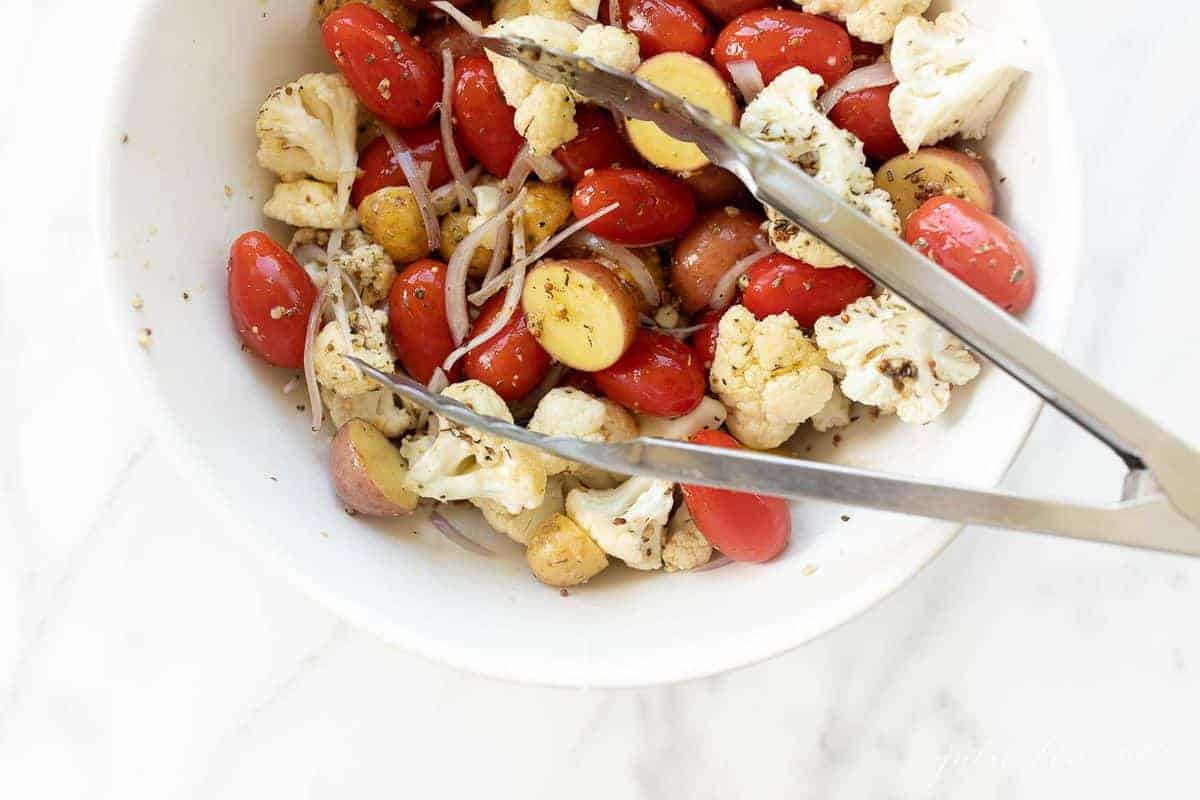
[(716, 241), (696, 81), (547, 209), (454, 230), (580, 312), (913, 178), (401, 15), (368, 472), (393, 219), (561, 554)]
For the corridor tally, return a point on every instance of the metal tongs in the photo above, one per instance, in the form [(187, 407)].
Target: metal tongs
[(1160, 506)]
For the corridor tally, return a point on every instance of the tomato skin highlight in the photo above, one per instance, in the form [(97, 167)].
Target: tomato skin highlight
[(744, 526), (379, 167), (658, 375), (866, 114), (780, 284), (417, 319), (778, 39), (511, 362), (390, 72), (975, 247), (485, 121), (704, 341), (262, 276), (654, 207), (598, 145), (663, 26)]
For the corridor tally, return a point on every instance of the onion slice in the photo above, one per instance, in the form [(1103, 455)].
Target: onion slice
[(716, 563), (310, 367), (622, 255), (465, 196), (614, 13), (878, 74), (438, 381), (448, 529), (678, 333), (466, 23), (548, 169), (416, 182), (747, 77), (458, 267), (722, 293), (444, 198)]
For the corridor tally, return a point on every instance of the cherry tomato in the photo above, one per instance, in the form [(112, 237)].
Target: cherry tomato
[(379, 168), (704, 341), (658, 375), (654, 207), (270, 299), (417, 319), (726, 10), (778, 39), (438, 33), (866, 114), (976, 248), (597, 145), (511, 362), (583, 381), (865, 53), (779, 283), (663, 26), (422, 5), (743, 526), (484, 119), (391, 74)]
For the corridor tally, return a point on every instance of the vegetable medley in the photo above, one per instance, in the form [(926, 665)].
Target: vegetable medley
[(544, 260)]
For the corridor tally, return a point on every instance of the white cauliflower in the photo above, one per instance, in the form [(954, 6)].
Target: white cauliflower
[(573, 413), (684, 546), (363, 261), (784, 117), (612, 46), (953, 79), (514, 81), (368, 342), (709, 415), (895, 357), (628, 521), (518, 527), (835, 414), (308, 204), (768, 375), (310, 127), (378, 407), (869, 20), (458, 463), (555, 9), (546, 118)]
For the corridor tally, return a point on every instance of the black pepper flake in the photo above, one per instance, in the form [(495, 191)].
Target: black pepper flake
[(845, 517), (187, 296), (563, 593)]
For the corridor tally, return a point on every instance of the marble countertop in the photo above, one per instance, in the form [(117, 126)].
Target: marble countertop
[(145, 654)]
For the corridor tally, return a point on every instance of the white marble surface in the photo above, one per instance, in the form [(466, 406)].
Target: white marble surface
[(143, 653)]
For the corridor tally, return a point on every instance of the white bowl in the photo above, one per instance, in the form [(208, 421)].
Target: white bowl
[(173, 196)]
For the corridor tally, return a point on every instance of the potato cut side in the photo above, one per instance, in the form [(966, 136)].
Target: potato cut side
[(913, 178), (695, 81), (561, 554), (580, 313), (368, 473)]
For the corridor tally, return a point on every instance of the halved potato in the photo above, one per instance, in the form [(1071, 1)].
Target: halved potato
[(913, 178), (393, 219), (561, 553), (580, 312), (695, 81), (368, 472)]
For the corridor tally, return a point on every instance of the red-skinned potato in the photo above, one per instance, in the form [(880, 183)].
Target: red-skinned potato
[(913, 178), (485, 121), (779, 284), (864, 53), (378, 166), (715, 187), (417, 319), (666, 26), (653, 208), (511, 362), (777, 39), (389, 71), (270, 299), (368, 472), (719, 239), (868, 116), (598, 145), (976, 248), (658, 375)]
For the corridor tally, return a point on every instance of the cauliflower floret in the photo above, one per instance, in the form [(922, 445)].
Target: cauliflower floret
[(895, 357), (460, 463), (308, 204), (784, 117), (379, 407), (869, 20), (368, 342), (310, 127), (514, 81), (684, 546), (570, 412), (768, 375), (628, 521), (953, 79), (708, 416), (835, 414), (608, 45), (546, 118), (518, 527), (363, 261)]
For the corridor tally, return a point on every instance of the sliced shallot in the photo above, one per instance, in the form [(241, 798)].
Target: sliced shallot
[(310, 367), (466, 23), (416, 182), (878, 74), (548, 169), (462, 190), (747, 77), (448, 529), (438, 381), (445, 199), (622, 255), (458, 267), (723, 292)]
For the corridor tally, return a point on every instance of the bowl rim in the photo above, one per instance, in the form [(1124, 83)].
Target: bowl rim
[(277, 560)]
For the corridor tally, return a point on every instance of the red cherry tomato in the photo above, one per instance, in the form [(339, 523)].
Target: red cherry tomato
[(379, 168), (778, 39), (417, 319), (976, 248), (391, 74), (438, 33), (704, 341), (743, 526), (654, 207), (658, 375), (511, 362), (663, 26), (484, 119), (270, 299), (866, 114), (422, 5), (865, 53), (781, 284), (726, 10), (583, 381), (597, 145)]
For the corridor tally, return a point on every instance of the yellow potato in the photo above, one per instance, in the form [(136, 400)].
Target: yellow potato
[(368, 472), (913, 178), (393, 219), (396, 11), (547, 208), (580, 312), (454, 230), (561, 554), (697, 82)]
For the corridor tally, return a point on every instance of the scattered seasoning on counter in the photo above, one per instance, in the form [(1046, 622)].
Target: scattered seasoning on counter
[(144, 337)]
